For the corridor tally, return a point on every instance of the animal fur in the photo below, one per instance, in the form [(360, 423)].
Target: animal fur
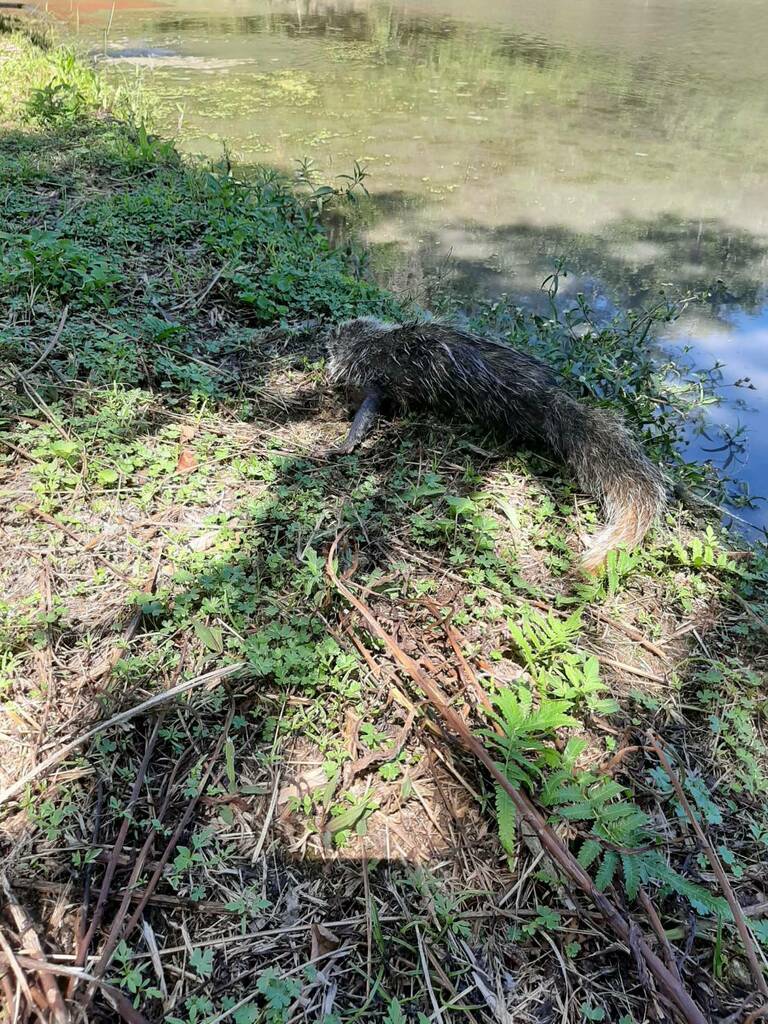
[(456, 374)]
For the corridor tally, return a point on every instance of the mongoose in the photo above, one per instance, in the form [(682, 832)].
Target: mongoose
[(454, 373)]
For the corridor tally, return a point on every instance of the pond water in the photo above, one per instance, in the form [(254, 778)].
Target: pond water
[(628, 135)]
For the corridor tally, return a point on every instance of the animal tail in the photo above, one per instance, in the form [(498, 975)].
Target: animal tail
[(609, 463)]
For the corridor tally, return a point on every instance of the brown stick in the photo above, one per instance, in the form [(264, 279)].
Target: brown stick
[(7, 991), (21, 980), (671, 989), (631, 632), (121, 1002), (54, 340), (622, 666), (362, 764), (129, 889), (122, 1005), (467, 675), (669, 953), (738, 914), (82, 917), (156, 899)]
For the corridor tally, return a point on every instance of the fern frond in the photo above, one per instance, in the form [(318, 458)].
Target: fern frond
[(567, 794), (629, 815), (577, 812), (506, 815), (574, 748), (632, 874), (607, 870), (656, 869), (605, 791), (589, 852)]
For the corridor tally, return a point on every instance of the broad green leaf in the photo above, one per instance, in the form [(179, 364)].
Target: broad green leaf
[(212, 637)]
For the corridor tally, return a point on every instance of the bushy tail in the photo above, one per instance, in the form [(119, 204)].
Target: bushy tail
[(610, 464)]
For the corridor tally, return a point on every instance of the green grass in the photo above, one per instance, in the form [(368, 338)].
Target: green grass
[(165, 513)]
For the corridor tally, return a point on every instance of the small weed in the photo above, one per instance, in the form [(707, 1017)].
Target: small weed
[(130, 975)]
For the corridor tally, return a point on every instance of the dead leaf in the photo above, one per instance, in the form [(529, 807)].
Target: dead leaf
[(351, 732), (204, 541), (324, 941), (307, 782), (187, 461)]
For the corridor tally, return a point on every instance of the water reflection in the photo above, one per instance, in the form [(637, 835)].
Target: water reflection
[(498, 137)]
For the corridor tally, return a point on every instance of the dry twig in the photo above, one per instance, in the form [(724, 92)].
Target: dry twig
[(119, 930), (52, 343), (117, 846), (13, 962)]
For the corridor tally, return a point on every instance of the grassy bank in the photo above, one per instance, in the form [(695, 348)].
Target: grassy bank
[(301, 839)]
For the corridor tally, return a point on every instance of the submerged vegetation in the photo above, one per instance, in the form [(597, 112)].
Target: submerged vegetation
[(297, 837)]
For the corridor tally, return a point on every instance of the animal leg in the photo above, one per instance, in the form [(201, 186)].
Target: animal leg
[(365, 417)]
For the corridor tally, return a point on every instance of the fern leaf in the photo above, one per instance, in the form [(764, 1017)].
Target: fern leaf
[(589, 852), (574, 748), (656, 869), (506, 815), (567, 794), (538, 636), (631, 874), (591, 670), (552, 715), (605, 791), (583, 811), (572, 625), (519, 719), (515, 769), (525, 698), (521, 643), (509, 706), (625, 813), (607, 870)]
